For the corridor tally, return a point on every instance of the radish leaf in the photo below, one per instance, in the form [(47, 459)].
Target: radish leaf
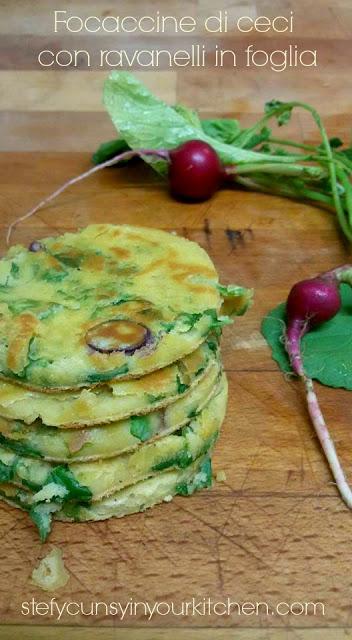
[(223, 129), (188, 114), (109, 149), (146, 122)]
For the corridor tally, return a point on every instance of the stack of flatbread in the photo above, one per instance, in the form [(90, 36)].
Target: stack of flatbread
[(112, 392)]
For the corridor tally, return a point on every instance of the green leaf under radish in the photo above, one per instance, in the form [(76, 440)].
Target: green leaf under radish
[(326, 349)]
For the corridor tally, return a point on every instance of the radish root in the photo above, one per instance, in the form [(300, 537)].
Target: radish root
[(326, 442), (127, 155)]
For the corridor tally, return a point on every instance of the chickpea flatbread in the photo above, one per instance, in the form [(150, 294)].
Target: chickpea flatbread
[(109, 402), (105, 303), (95, 480), (106, 441)]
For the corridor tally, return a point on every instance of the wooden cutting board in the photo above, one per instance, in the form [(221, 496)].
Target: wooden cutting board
[(275, 530)]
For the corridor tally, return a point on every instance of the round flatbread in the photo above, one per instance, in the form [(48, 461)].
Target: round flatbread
[(110, 402), (106, 441), (95, 480), (108, 302), (134, 499)]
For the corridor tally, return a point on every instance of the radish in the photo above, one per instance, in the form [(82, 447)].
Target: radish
[(195, 173), (310, 303)]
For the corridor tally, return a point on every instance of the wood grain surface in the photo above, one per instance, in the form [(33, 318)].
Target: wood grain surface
[(276, 529)]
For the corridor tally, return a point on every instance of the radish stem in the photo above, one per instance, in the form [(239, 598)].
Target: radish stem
[(291, 143), (284, 169)]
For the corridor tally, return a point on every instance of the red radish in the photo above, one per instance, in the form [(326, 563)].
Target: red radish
[(195, 173), (310, 303), (317, 300)]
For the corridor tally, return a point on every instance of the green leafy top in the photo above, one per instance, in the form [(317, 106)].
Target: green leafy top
[(145, 121), (109, 149), (223, 129), (326, 350)]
